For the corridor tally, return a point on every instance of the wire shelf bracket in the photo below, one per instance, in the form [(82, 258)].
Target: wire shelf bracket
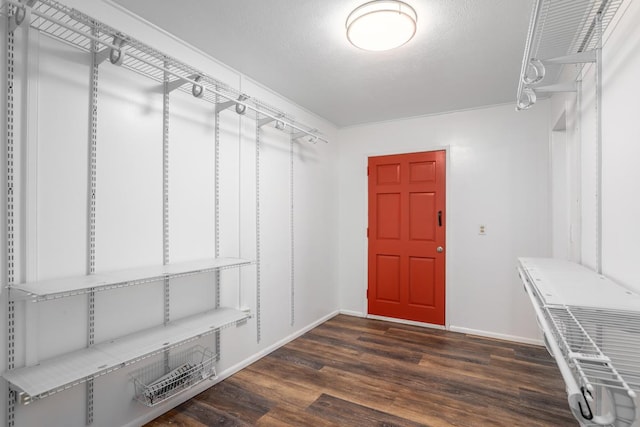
[(279, 124), (558, 87)]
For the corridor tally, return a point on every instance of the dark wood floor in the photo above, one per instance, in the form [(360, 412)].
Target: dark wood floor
[(358, 372)]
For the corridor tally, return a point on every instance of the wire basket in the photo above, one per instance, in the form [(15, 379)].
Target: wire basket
[(155, 383)]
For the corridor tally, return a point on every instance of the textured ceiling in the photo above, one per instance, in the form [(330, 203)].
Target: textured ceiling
[(466, 53)]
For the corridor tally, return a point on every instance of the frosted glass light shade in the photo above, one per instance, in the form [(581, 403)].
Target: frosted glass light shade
[(381, 25)]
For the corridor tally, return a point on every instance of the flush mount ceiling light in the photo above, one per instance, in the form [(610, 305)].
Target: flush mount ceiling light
[(381, 25)]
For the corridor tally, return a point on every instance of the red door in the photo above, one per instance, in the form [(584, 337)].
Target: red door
[(407, 236)]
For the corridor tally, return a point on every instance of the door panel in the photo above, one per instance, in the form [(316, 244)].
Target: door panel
[(388, 280), (388, 224), (421, 271), (388, 174), (419, 229), (406, 273), (422, 171)]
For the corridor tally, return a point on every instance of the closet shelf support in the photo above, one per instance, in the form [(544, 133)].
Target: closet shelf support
[(239, 104), (179, 82), (22, 14), (279, 124), (558, 87), (577, 58), (312, 138)]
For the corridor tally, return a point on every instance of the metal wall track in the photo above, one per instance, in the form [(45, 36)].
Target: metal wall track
[(165, 206), (258, 297), (91, 262), (10, 213), (291, 232), (598, 192), (216, 241)]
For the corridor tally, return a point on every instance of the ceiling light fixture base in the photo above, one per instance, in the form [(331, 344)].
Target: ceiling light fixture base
[(381, 25)]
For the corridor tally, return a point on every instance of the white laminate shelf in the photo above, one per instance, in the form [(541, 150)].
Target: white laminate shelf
[(566, 283), (65, 371), (45, 290)]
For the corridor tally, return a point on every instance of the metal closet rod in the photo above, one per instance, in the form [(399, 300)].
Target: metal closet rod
[(202, 84)]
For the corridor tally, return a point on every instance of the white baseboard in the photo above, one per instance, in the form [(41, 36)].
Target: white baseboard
[(405, 322), (353, 313), (259, 355), (451, 328), (496, 335), (390, 319), (172, 403)]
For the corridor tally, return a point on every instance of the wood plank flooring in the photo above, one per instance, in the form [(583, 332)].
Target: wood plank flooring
[(359, 372)]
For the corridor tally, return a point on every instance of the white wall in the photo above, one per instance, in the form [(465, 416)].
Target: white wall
[(129, 215), (568, 213), (621, 150), (620, 130), (497, 176)]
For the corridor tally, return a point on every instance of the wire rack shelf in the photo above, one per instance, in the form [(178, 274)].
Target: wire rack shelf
[(158, 381), (560, 32), (597, 348), (77, 29)]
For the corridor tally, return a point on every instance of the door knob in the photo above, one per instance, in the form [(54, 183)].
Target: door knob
[(439, 249)]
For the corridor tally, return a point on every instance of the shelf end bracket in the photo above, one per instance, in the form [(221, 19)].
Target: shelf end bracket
[(22, 14), (555, 88)]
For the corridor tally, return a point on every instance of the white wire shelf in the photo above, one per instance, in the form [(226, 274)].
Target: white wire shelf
[(559, 29), (68, 370), (596, 346), (65, 287), (79, 30)]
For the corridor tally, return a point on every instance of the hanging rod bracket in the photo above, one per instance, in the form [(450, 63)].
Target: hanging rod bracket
[(102, 55), (221, 106), (22, 14), (279, 124), (197, 89), (241, 108), (115, 54), (576, 58), (175, 84), (265, 121), (313, 138), (555, 88)]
